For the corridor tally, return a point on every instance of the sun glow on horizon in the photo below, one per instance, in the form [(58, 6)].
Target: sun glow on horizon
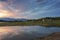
[(4, 13)]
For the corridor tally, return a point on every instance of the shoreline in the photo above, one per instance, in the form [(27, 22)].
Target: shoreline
[(29, 24), (53, 36), (39, 23)]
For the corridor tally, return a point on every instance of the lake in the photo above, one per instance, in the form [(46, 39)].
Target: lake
[(25, 32)]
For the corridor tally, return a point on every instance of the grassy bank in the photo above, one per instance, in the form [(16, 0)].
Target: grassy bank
[(32, 23), (54, 36)]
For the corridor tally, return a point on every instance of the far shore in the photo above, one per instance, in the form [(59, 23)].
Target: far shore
[(1, 22), (32, 23), (48, 22)]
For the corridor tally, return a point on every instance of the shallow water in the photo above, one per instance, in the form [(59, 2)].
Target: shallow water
[(25, 32)]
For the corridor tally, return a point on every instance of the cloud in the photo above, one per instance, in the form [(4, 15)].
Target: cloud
[(3, 5), (29, 8), (10, 11), (3, 0), (6, 12), (40, 0)]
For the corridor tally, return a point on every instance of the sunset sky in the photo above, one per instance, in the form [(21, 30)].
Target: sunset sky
[(29, 9)]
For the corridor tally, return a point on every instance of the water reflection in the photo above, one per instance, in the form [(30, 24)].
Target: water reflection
[(25, 32)]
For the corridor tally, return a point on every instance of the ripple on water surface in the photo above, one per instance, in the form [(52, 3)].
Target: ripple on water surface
[(25, 32)]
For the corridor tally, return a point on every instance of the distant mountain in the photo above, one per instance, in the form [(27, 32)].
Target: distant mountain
[(22, 19), (12, 19)]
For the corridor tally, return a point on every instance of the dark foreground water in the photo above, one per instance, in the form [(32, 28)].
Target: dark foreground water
[(25, 32)]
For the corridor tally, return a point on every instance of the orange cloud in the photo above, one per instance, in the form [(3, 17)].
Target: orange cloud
[(11, 12), (5, 13), (2, 4)]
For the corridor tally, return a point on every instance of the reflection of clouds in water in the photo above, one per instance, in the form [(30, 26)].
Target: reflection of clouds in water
[(25, 32), (9, 32)]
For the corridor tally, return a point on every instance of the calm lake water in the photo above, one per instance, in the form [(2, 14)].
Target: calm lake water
[(25, 32)]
